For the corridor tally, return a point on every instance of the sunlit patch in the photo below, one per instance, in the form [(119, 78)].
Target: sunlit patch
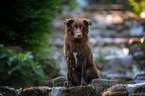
[(125, 51), (142, 39), (117, 19), (142, 15), (133, 40), (136, 40)]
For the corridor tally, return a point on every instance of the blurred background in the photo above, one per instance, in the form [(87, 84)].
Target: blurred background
[(32, 38)]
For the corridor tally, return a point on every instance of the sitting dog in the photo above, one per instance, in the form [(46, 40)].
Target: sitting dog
[(77, 50)]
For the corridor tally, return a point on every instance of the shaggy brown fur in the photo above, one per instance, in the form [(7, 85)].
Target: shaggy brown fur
[(78, 52)]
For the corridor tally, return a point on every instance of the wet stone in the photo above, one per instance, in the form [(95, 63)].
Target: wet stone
[(139, 55), (126, 90), (120, 28), (57, 42), (124, 33), (58, 81), (116, 90), (6, 91), (119, 67), (134, 48), (102, 84), (35, 91), (140, 78), (109, 27), (79, 91), (95, 88)]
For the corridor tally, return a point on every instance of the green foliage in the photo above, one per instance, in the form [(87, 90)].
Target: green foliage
[(74, 3), (100, 58), (138, 5), (65, 84), (139, 44), (18, 70), (26, 22), (45, 57)]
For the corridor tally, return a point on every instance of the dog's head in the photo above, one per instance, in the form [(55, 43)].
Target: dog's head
[(77, 27)]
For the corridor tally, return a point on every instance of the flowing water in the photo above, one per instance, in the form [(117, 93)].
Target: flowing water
[(55, 91)]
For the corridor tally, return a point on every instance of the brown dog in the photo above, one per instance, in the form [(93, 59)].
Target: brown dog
[(78, 52)]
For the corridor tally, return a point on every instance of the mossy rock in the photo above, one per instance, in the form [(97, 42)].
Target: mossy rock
[(102, 84), (79, 91), (35, 91), (126, 90), (6, 91), (56, 82)]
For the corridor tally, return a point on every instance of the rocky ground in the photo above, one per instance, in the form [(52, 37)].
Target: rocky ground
[(117, 51), (98, 87)]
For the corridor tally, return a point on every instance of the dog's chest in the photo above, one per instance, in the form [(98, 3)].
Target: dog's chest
[(75, 54)]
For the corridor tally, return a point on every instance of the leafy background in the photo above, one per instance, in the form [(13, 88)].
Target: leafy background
[(27, 23)]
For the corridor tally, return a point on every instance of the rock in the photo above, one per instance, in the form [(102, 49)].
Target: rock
[(142, 62), (116, 90), (56, 91), (120, 27), (123, 33), (96, 88), (102, 84), (108, 83), (57, 42), (58, 24), (107, 42), (138, 55), (140, 78), (6, 91), (35, 91), (58, 81), (136, 29), (134, 48), (109, 27), (136, 89), (126, 90), (80, 91), (118, 67), (59, 91)]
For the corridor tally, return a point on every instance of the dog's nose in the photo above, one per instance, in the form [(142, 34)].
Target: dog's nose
[(79, 34)]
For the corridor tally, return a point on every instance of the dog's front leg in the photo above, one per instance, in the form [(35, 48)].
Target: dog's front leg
[(69, 77), (83, 82), (70, 69)]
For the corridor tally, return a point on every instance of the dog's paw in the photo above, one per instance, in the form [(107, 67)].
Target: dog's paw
[(69, 85), (83, 83)]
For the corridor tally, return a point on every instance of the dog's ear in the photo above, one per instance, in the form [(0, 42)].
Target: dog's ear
[(68, 22), (87, 21)]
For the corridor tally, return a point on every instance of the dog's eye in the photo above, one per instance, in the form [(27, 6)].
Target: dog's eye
[(72, 33), (81, 27), (74, 27)]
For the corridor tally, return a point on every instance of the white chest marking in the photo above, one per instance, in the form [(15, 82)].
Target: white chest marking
[(75, 56)]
